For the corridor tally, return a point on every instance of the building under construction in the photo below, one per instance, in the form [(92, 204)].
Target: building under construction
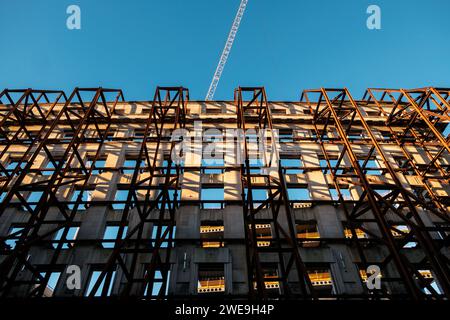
[(89, 183)]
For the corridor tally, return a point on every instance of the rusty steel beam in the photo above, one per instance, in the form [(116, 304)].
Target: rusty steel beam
[(168, 108), (278, 201), (49, 199), (340, 120)]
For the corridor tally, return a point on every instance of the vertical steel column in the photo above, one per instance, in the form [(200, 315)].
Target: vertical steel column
[(284, 243), (168, 109), (348, 109), (80, 118)]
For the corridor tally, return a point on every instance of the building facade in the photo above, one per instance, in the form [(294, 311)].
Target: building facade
[(329, 197)]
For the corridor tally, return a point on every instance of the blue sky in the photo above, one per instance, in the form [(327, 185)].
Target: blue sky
[(286, 45)]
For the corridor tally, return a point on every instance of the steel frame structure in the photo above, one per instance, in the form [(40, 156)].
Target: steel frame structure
[(284, 242), (424, 109), (69, 168), (416, 116), (157, 208), (21, 111), (337, 108), (424, 115)]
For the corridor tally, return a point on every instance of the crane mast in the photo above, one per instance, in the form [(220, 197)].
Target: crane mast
[(226, 50)]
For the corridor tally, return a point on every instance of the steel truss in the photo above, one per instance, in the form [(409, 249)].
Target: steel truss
[(21, 107), (253, 113), (423, 113), (156, 209), (85, 110), (337, 108)]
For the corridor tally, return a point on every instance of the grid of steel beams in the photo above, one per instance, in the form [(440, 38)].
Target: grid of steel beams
[(85, 109), (251, 102), (32, 120), (156, 208), (337, 108)]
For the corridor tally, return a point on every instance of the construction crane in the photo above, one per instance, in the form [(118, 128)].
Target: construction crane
[(226, 50)]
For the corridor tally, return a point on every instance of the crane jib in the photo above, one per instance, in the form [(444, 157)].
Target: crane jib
[(226, 50)]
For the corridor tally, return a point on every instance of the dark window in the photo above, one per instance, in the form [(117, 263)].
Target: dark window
[(308, 230), (278, 111), (271, 278), (286, 135), (430, 282), (321, 280), (213, 110), (263, 235), (211, 278), (211, 233), (401, 231), (360, 234)]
